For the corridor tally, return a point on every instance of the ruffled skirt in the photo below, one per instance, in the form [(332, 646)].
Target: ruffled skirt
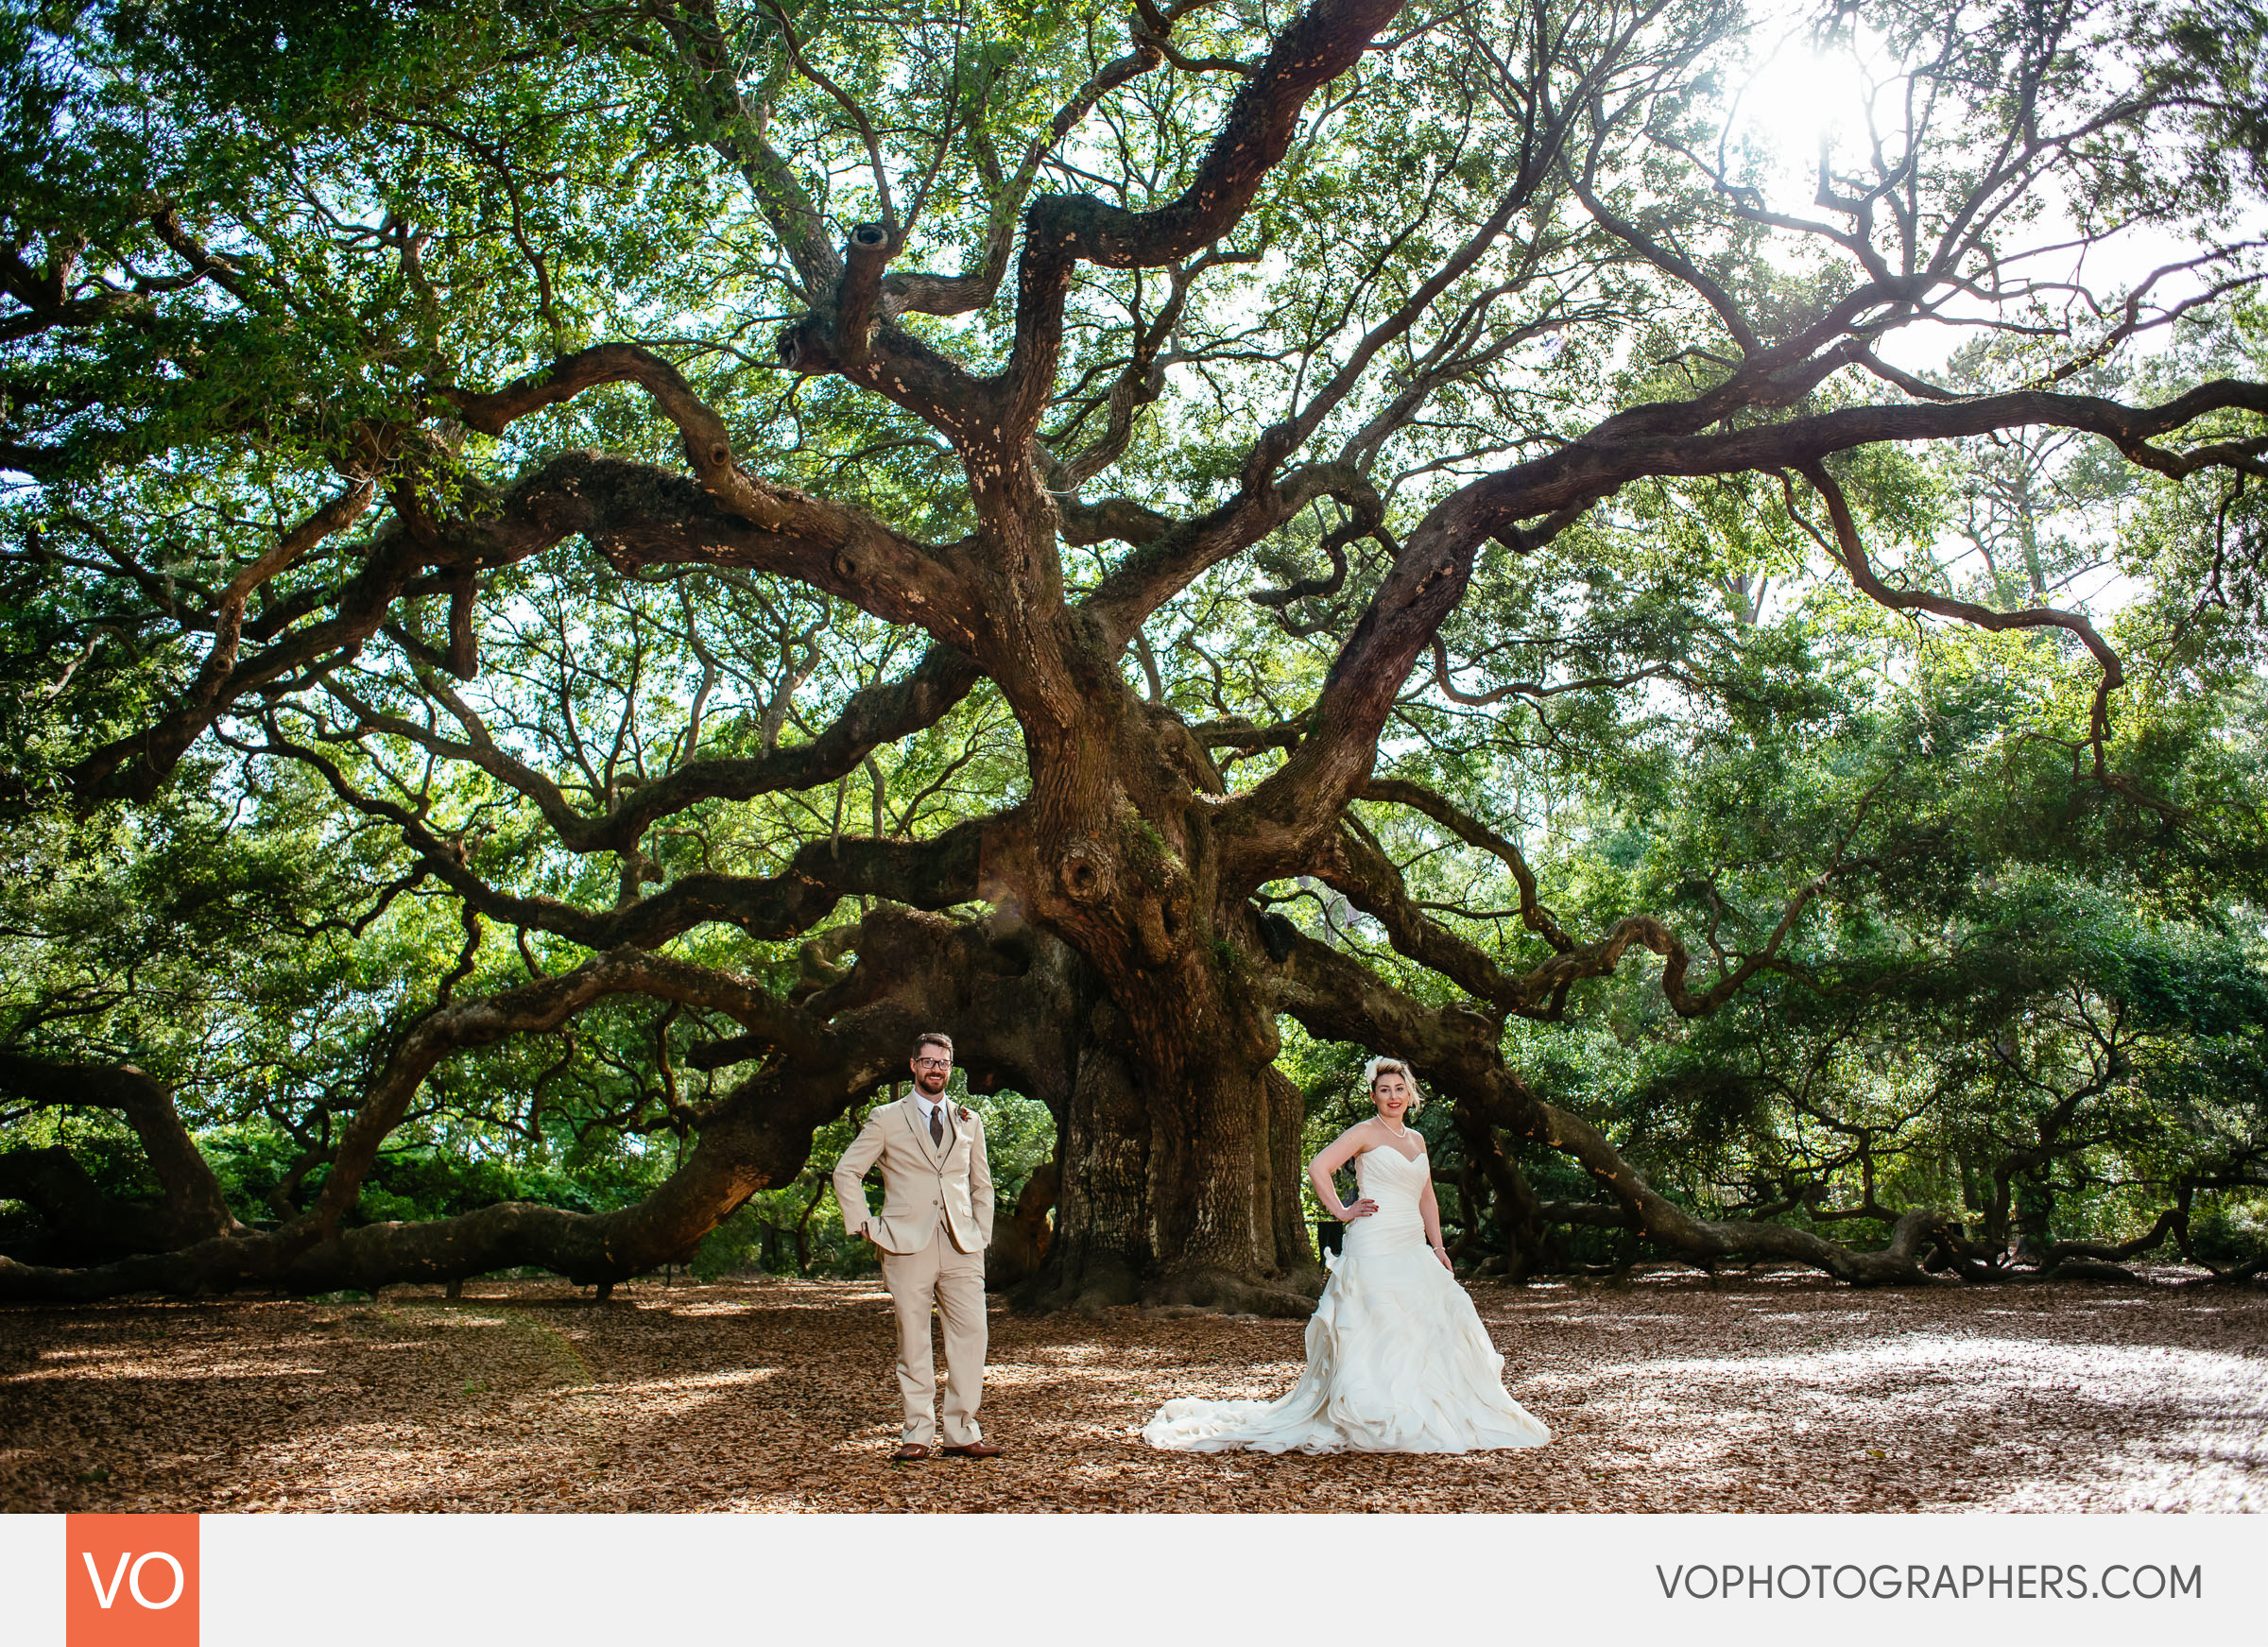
[(1397, 1362)]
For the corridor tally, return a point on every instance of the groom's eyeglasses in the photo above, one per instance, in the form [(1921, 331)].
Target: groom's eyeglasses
[(932, 1063)]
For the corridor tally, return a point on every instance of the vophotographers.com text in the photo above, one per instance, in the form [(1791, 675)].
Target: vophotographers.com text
[(1915, 1581)]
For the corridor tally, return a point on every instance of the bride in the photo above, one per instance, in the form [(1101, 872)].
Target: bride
[(1397, 1359)]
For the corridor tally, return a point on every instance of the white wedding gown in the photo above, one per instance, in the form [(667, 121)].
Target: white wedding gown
[(1397, 1358)]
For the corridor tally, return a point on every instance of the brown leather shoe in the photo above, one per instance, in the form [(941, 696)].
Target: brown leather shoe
[(974, 1450), (909, 1451)]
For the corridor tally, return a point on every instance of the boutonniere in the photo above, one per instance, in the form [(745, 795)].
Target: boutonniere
[(967, 1113)]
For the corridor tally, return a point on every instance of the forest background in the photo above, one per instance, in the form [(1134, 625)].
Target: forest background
[(330, 725)]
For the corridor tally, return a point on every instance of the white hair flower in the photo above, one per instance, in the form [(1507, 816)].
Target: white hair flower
[(1378, 1066)]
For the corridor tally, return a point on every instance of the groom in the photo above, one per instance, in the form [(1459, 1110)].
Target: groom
[(936, 1223)]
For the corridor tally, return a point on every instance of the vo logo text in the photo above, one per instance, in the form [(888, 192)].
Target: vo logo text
[(129, 1581)]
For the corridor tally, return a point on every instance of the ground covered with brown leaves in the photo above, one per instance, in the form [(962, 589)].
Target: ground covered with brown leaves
[(1765, 1393)]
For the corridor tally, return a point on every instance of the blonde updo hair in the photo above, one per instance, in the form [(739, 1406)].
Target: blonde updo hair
[(1378, 1066)]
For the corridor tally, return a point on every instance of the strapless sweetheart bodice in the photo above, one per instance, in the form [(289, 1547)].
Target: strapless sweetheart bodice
[(1394, 1182), (1386, 1172)]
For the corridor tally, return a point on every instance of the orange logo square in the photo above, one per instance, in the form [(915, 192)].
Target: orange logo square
[(129, 1581)]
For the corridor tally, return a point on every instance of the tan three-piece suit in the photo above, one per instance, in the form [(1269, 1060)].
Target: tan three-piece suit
[(934, 1224)]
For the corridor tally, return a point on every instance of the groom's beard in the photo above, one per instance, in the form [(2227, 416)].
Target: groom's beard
[(930, 1085)]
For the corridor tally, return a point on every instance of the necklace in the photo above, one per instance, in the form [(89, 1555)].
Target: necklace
[(1398, 1131)]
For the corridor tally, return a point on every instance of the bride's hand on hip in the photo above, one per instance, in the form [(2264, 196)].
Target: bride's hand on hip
[(1362, 1208)]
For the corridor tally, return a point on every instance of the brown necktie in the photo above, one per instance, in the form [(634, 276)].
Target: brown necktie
[(936, 1127)]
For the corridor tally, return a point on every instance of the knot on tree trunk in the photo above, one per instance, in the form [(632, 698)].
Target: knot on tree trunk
[(1087, 872)]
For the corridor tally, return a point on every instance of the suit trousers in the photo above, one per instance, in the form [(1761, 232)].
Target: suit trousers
[(955, 1279)]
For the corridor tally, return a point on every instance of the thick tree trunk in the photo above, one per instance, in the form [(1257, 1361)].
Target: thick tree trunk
[(1216, 1171), (1181, 1158), (1103, 1243), (1180, 1143)]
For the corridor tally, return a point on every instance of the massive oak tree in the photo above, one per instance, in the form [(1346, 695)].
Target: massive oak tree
[(583, 447)]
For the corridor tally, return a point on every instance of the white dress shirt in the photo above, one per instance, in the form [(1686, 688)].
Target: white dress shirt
[(930, 1106)]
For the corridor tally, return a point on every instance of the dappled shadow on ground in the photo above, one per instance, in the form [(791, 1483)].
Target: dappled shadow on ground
[(1763, 1393)]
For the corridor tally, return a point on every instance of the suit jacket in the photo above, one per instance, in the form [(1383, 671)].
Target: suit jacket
[(921, 1185)]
